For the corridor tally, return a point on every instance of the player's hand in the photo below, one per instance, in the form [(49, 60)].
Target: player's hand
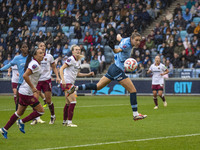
[(17, 74), (8, 74), (162, 74), (34, 90), (119, 37), (63, 84), (148, 71), (91, 74), (58, 80)]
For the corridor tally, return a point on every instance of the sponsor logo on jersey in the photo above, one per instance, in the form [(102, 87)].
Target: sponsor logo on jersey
[(34, 66), (68, 60), (45, 59)]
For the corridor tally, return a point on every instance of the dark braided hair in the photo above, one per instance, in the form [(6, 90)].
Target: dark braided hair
[(29, 58)]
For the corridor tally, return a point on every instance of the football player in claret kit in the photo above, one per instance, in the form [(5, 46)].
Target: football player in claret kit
[(44, 83), (68, 73), (116, 72), (159, 70), (27, 92)]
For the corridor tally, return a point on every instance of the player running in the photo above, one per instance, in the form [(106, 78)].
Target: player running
[(159, 70), (44, 83), (70, 69), (20, 61), (116, 72), (27, 92)]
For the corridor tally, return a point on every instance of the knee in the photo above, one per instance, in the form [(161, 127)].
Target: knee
[(132, 91), (19, 113), (73, 102), (154, 95), (41, 111), (99, 88), (48, 100)]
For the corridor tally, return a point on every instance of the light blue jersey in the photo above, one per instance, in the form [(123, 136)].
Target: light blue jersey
[(20, 61), (120, 57)]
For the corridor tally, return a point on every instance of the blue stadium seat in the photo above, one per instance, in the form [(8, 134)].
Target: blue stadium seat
[(188, 25), (67, 34), (196, 20), (10, 29), (43, 29), (65, 29), (34, 23), (183, 35), (33, 29), (49, 29), (71, 29), (73, 41), (4, 36), (86, 47), (183, 7), (80, 41)]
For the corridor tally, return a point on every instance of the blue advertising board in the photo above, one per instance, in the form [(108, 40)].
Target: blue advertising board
[(143, 86), (182, 86)]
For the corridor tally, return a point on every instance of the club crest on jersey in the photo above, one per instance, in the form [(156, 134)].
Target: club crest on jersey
[(34, 66), (124, 46), (68, 60), (45, 59), (158, 67)]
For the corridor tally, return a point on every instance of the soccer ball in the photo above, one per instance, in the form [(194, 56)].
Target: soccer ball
[(130, 65)]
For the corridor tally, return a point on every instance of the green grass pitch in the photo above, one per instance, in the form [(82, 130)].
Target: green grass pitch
[(105, 122)]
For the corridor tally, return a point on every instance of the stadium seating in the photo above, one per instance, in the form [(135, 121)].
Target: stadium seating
[(34, 23), (196, 20), (73, 41), (65, 29), (183, 35), (43, 29), (49, 29)]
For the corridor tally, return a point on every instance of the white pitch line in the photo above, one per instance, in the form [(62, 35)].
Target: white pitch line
[(118, 142), (77, 106)]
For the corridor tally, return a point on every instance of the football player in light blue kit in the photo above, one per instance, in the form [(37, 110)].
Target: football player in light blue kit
[(116, 72), (20, 61)]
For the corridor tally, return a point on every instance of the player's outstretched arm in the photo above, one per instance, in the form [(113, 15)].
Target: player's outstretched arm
[(166, 72), (117, 50), (85, 74), (6, 67), (149, 71)]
